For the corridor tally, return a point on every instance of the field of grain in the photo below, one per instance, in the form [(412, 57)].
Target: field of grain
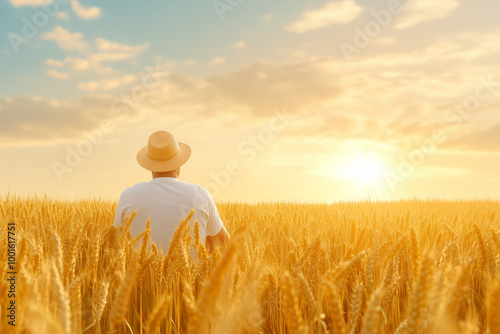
[(395, 267)]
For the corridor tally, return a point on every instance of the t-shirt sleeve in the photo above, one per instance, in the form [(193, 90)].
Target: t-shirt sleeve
[(214, 223), (119, 212)]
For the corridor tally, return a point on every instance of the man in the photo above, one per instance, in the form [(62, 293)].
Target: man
[(165, 200)]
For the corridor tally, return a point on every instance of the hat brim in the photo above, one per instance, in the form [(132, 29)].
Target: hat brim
[(164, 165)]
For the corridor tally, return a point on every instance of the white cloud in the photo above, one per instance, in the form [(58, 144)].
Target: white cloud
[(217, 61), (418, 11), (79, 64), (57, 75), (65, 39), (106, 84), (341, 12), (111, 56), (34, 3), (104, 51), (239, 45), (54, 63), (105, 45), (267, 17), (63, 15), (111, 51), (85, 13)]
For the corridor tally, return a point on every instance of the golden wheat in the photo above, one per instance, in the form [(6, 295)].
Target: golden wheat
[(368, 267)]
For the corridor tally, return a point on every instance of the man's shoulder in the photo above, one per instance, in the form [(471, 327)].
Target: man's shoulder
[(143, 188), (136, 188), (198, 189), (190, 185)]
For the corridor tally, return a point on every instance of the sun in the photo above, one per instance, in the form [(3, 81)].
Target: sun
[(365, 170)]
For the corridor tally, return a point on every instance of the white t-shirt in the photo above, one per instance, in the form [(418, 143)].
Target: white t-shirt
[(166, 201)]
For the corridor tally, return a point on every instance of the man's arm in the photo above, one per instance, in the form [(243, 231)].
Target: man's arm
[(220, 239), (119, 213), (216, 232)]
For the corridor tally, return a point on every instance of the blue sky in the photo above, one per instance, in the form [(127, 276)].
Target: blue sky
[(226, 79), (181, 31)]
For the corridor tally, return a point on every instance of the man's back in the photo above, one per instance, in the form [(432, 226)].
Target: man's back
[(166, 201)]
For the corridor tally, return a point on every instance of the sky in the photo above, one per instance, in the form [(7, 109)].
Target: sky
[(315, 101)]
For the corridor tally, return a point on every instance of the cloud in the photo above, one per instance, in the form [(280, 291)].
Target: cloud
[(217, 61), (267, 17), (418, 11), (106, 84), (38, 121), (76, 64), (63, 15), (392, 101), (342, 12), (103, 51), (111, 51), (482, 138), (57, 75), (33, 3), (399, 106), (42, 121), (105, 45), (85, 13), (65, 39), (239, 45), (254, 90), (54, 63)]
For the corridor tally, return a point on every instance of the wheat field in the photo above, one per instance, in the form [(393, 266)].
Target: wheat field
[(367, 267)]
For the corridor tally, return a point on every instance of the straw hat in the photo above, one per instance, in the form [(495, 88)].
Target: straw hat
[(163, 153)]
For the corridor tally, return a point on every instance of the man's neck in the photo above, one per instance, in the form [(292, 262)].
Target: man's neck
[(164, 174)]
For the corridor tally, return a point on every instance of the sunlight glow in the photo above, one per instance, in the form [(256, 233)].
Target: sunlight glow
[(364, 170)]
